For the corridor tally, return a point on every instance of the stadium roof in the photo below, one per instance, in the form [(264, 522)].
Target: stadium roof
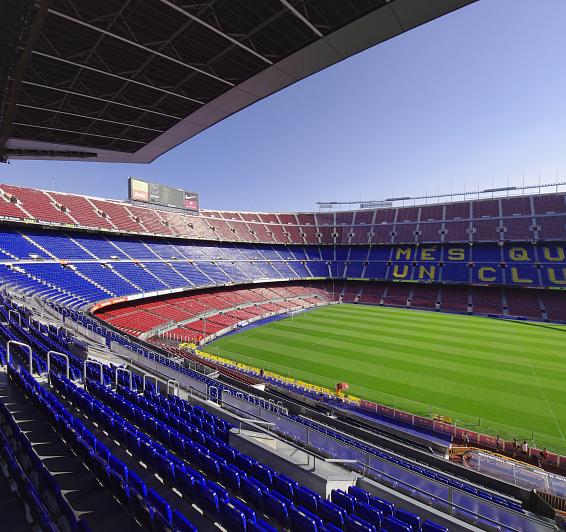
[(127, 80)]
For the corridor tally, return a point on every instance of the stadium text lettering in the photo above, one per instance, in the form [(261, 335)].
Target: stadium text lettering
[(552, 276), (461, 254)]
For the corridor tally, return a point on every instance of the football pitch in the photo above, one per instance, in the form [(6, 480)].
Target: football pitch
[(493, 376)]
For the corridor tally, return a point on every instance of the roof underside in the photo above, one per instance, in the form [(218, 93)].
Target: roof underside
[(127, 80)]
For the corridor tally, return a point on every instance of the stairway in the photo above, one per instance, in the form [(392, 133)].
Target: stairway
[(78, 485)]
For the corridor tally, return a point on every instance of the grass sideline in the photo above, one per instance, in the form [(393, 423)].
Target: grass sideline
[(489, 375)]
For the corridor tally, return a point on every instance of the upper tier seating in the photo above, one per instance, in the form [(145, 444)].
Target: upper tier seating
[(79, 269), (476, 220)]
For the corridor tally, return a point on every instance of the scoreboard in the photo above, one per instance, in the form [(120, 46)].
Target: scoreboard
[(146, 192)]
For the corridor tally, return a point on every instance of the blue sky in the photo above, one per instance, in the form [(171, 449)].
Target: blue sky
[(475, 98)]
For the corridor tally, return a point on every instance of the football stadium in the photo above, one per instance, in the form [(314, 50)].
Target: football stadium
[(395, 365)]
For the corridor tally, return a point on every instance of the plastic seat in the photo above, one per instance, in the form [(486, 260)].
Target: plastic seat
[(230, 476), (207, 500), (332, 513), (430, 526), (285, 485), (370, 514), (245, 509), (276, 509), (181, 523), (307, 498), (245, 463), (264, 474), (165, 467), (392, 524), (221, 493), (358, 494), (301, 520), (260, 526), (353, 523), (342, 499), (414, 521), (252, 491), (210, 465), (232, 518), (118, 466), (386, 507), (161, 507)]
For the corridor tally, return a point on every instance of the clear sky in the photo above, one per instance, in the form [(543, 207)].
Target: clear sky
[(475, 98)]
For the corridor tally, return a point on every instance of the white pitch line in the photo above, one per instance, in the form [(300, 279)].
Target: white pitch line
[(547, 403)]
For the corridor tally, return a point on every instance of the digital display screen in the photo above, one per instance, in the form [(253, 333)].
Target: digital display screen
[(144, 191)]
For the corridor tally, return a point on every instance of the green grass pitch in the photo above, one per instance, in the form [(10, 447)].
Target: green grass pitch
[(490, 375)]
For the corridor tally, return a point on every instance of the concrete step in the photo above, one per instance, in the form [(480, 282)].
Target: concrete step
[(86, 496)]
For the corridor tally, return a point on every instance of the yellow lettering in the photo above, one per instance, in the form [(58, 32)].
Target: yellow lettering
[(399, 275), (559, 254), (552, 276), (517, 279), (405, 252), (428, 271), (518, 254), (456, 254), (427, 253), (482, 274)]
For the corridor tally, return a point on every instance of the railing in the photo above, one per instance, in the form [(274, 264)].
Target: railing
[(62, 355), (450, 499), (23, 346)]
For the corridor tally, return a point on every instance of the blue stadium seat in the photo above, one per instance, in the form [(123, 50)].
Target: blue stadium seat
[(307, 498), (414, 521), (355, 524), (276, 509), (392, 524), (358, 494), (370, 514), (303, 521), (342, 499), (332, 513), (285, 485), (161, 507), (387, 508), (181, 523), (430, 526), (232, 518)]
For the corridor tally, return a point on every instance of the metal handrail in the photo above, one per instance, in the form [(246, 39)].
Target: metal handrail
[(175, 385), (9, 345), (96, 363), (49, 353), (127, 372), (148, 376)]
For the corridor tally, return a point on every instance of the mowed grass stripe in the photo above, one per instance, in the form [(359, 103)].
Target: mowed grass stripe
[(469, 365), (416, 350), (438, 393), (521, 332), (387, 377)]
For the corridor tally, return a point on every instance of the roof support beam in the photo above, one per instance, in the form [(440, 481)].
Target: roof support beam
[(117, 76), (91, 118), (22, 56), (303, 19), (113, 102), (140, 46), (77, 132), (215, 30)]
